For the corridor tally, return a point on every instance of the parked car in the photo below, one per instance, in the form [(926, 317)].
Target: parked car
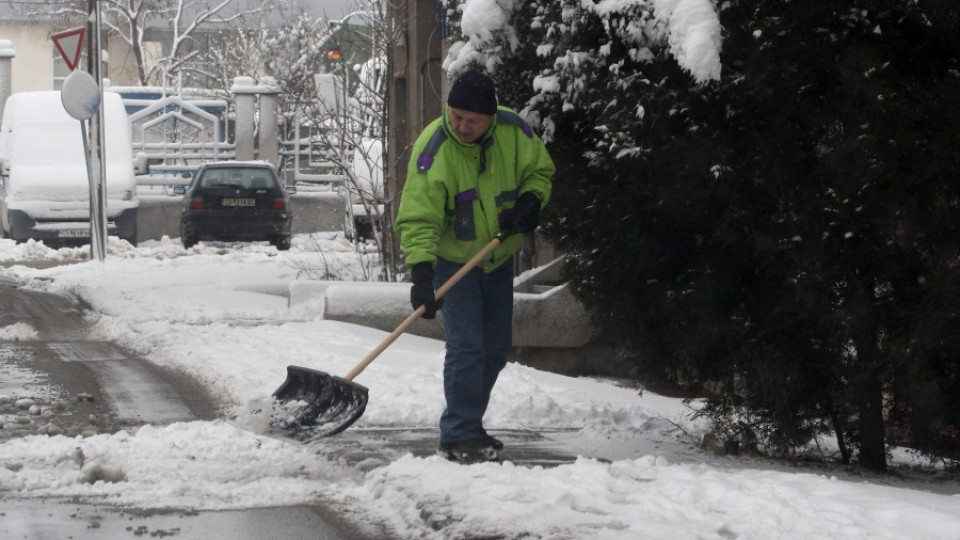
[(236, 201)]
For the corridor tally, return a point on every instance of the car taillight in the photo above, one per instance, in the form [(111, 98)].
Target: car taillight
[(279, 204), (197, 204)]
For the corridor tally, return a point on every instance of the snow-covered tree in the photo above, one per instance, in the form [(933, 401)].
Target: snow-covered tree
[(777, 219)]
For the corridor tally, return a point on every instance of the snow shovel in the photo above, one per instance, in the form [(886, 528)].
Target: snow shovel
[(312, 404)]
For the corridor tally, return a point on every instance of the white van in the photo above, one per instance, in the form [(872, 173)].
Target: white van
[(44, 187)]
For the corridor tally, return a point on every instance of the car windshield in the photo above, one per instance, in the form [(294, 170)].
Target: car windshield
[(238, 178)]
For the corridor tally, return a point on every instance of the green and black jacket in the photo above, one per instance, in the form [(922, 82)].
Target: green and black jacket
[(457, 194)]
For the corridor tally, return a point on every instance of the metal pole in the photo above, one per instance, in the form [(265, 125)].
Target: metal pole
[(349, 227), (98, 191), (101, 145)]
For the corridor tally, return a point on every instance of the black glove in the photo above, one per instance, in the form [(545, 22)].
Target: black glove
[(525, 215), (421, 293)]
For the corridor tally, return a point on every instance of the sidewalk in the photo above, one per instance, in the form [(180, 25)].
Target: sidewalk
[(369, 448)]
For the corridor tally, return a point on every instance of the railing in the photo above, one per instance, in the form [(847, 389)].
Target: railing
[(178, 135)]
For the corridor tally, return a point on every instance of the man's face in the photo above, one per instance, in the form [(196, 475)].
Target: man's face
[(469, 125)]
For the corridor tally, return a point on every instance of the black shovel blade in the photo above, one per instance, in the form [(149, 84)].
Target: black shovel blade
[(312, 404)]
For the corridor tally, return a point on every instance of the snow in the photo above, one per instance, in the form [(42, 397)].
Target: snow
[(691, 27), (17, 331), (694, 36), (80, 95), (482, 18), (220, 312)]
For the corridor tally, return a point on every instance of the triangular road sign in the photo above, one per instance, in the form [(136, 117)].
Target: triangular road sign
[(69, 43)]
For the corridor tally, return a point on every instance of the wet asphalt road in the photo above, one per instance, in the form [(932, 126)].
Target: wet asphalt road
[(61, 520), (81, 386), (60, 382)]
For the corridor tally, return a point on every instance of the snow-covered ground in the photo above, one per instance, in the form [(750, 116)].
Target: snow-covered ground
[(220, 313)]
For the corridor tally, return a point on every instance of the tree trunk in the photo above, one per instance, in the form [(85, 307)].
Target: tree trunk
[(867, 380), (873, 452), (838, 429)]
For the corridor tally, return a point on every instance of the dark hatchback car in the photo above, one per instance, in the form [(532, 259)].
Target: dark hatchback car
[(236, 201)]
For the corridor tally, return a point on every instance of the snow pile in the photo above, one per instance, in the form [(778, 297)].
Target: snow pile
[(17, 332), (201, 465), (648, 498)]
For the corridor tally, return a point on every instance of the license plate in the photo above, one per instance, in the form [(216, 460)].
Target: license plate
[(73, 233), (239, 202)]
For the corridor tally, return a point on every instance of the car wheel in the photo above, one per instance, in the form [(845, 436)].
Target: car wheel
[(282, 243), (188, 240)]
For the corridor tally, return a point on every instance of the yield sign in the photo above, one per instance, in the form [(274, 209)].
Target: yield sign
[(69, 43)]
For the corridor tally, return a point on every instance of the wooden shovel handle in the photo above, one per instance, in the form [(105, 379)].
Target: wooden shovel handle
[(412, 318)]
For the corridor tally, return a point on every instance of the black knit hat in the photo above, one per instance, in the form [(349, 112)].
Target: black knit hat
[(473, 91)]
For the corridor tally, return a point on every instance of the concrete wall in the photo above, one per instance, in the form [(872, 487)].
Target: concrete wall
[(159, 215), (545, 312), (318, 211), (551, 329), (547, 316)]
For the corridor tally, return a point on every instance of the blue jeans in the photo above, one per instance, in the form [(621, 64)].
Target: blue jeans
[(477, 321)]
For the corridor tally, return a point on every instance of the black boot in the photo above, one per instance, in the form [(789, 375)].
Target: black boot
[(494, 442), (469, 451)]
